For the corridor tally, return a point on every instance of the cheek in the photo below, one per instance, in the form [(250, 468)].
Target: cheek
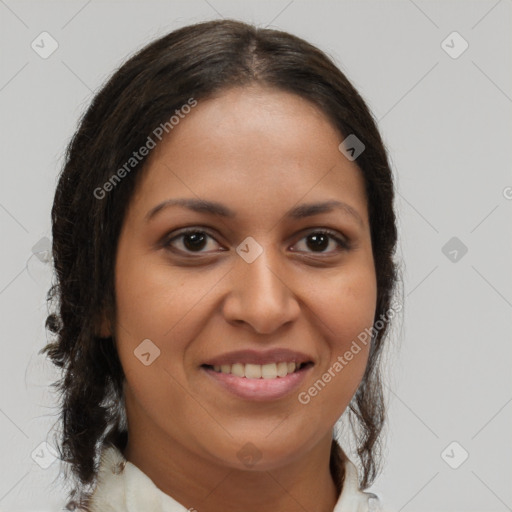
[(150, 300), (345, 307), (345, 310), (155, 315), (156, 303), (346, 303)]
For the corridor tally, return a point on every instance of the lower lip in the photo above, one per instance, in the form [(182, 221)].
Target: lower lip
[(259, 389)]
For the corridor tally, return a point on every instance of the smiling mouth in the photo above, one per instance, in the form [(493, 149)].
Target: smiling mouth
[(259, 371)]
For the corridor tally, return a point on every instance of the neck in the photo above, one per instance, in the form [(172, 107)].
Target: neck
[(196, 483)]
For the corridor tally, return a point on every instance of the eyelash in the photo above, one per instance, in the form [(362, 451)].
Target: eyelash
[(333, 235)]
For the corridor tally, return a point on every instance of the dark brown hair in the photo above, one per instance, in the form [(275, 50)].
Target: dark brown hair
[(197, 62)]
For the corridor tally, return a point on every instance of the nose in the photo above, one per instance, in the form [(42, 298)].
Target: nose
[(261, 295)]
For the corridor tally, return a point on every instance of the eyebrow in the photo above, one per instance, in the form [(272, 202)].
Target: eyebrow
[(214, 208)]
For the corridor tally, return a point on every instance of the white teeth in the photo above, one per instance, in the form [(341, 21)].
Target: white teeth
[(257, 371), (282, 369), (238, 370), (253, 371), (269, 371)]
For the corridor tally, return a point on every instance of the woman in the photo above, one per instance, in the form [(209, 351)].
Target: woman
[(223, 237)]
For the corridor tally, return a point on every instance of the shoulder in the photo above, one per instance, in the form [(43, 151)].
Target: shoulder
[(352, 498), (109, 492)]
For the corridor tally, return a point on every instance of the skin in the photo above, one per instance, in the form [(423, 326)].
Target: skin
[(259, 152)]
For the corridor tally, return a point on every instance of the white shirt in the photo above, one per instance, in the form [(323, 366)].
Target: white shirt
[(123, 487)]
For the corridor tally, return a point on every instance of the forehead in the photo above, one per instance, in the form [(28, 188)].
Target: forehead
[(252, 147)]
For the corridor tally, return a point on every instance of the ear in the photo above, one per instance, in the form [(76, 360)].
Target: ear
[(105, 331)]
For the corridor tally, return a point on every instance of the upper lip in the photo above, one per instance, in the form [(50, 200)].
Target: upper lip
[(277, 355)]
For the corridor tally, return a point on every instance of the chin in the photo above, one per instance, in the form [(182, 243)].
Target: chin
[(262, 453)]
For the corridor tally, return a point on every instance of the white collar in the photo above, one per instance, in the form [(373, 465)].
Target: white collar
[(123, 487)]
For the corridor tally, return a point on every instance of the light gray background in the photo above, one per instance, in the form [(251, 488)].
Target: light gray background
[(447, 124)]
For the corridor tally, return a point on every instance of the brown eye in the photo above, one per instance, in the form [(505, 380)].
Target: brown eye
[(319, 241), (192, 240)]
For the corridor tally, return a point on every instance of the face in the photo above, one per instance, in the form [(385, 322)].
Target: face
[(233, 320)]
